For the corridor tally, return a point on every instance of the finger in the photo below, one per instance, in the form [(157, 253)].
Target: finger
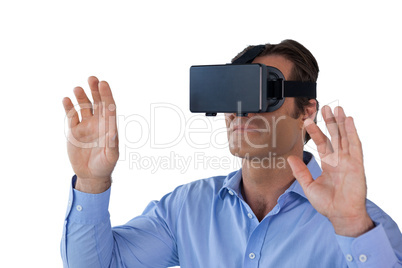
[(108, 104), (112, 148), (93, 83), (324, 146), (71, 113), (332, 126), (300, 172), (355, 146), (84, 102), (340, 119)]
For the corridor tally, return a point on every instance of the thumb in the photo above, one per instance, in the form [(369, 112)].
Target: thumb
[(300, 171)]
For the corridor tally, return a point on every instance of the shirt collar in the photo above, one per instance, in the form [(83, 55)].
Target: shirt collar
[(233, 180), (231, 184)]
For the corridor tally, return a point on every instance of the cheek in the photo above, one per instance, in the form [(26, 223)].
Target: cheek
[(285, 133)]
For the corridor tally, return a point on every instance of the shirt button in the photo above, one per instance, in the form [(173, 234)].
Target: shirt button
[(79, 208), (250, 215), (349, 257), (251, 255), (230, 192), (363, 258)]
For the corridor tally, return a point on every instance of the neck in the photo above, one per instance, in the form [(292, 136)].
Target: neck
[(263, 181)]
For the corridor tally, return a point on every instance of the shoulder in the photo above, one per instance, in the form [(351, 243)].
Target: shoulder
[(207, 188), (207, 185), (190, 194)]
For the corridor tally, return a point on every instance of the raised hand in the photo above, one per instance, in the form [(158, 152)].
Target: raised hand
[(92, 143), (340, 192)]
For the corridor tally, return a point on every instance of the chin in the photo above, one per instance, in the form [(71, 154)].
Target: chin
[(248, 152), (267, 159)]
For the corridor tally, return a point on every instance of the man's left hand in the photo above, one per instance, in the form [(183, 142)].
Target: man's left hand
[(340, 192)]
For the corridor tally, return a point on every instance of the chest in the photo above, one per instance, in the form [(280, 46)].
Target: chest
[(228, 234)]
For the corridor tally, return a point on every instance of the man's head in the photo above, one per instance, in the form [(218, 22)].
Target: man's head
[(281, 130)]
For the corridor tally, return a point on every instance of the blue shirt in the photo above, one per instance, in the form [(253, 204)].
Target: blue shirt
[(207, 224)]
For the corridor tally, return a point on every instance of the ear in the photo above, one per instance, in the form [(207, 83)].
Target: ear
[(310, 111)]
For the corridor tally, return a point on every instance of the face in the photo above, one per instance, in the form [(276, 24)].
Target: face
[(260, 134)]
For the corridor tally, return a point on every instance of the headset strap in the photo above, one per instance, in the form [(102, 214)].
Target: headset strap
[(250, 55), (280, 89)]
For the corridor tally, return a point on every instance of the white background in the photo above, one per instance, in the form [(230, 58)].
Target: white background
[(144, 50)]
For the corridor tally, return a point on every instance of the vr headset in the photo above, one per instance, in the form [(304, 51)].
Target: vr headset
[(242, 87)]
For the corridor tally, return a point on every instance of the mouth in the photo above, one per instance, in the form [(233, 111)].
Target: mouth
[(244, 128)]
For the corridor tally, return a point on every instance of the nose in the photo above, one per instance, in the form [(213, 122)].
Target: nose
[(246, 115), (251, 114), (231, 116)]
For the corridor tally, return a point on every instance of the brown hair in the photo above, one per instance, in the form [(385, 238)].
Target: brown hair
[(305, 68)]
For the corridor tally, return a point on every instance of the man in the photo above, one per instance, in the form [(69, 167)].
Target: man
[(290, 214)]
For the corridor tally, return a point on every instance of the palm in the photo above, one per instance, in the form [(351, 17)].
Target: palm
[(337, 187), (340, 192), (91, 148)]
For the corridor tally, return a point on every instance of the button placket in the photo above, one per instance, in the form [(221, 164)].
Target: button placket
[(349, 258), (362, 258)]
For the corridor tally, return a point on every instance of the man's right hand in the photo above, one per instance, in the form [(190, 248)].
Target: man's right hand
[(92, 145)]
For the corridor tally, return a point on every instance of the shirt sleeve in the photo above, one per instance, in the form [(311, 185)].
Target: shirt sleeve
[(148, 240), (379, 247)]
